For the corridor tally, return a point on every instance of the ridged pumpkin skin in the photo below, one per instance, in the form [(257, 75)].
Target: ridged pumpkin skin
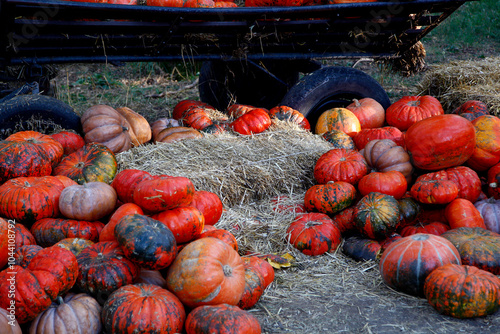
[(371, 114), (146, 241), (237, 109), (489, 209), (207, 272), (339, 139), (344, 220), (376, 215), (27, 199), (49, 231), (221, 234), (493, 180), (125, 182), (262, 266), (70, 141), (103, 269), (338, 119), (477, 247), (184, 105), (466, 179), (409, 211), (441, 141), (255, 121), (472, 109), (91, 163), (177, 133), (140, 126), (163, 193), (407, 262), (285, 113), (254, 288), (209, 204), (24, 254), (108, 231), (221, 319), (462, 291), (462, 213), (365, 136), (362, 249), (51, 147), (340, 165), (196, 118), (143, 308), (435, 228), (329, 198), (185, 222), (313, 234), (487, 151), (10, 326), (74, 245), (410, 109), (434, 191), (391, 183), (31, 297), (23, 235), (90, 201), (75, 313)]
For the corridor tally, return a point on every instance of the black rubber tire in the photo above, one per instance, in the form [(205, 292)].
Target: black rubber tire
[(330, 87), (222, 83), (21, 108)]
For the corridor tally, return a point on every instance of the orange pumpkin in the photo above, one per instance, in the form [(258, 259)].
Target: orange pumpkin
[(370, 113), (140, 126), (410, 109), (339, 119), (487, 151)]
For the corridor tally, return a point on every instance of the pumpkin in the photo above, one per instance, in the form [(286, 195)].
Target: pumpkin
[(184, 105), (407, 262), (236, 110), (27, 199), (389, 240), (285, 113), (340, 165), (329, 198), (434, 191), (262, 266), (209, 204), (339, 119), (409, 211), (44, 143), (70, 141), (60, 263), (140, 126), (339, 139), (440, 142), (143, 308), (466, 179), (178, 133), (151, 277), (216, 128), (146, 241), (472, 109), (74, 245), (24, 254), (163, 193), (221, 234), (436, 228), (365, 136), (207, 271), (163, 123), (344, 220), (361, 249), (75, 313), (408, 110), (254, 288), (108, 231), (313, 234), (49, 231), (462, 291), (103, 269), (493, 180), (376, 215), (391, 183), (23, 235), (371, 114), (186, 222), (91, 163), (8, 322), (125, 182), (90, 201), (221, 318), (477, 247), (383, 155), (7, 235), (31, 297), (462, 213), (487, 151), (23, 158), (253, 122), (103, 124), (489, 209)]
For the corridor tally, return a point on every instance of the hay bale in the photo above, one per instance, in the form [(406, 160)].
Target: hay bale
[(456, 82), (240, 169)]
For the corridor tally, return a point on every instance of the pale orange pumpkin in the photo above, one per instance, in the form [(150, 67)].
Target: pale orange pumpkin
[(139, 124), (338, 119)]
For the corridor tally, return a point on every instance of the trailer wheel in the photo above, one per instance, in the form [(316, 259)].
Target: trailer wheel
[(330, 87), (18, 113), (222, 83)]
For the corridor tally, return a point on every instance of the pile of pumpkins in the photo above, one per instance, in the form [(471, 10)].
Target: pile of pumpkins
[(415, 189), (85, 248)]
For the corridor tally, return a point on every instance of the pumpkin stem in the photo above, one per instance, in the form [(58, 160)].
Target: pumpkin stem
[(80, 164), (356, 102), (227, 270), (59, 300), (493, 185)]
